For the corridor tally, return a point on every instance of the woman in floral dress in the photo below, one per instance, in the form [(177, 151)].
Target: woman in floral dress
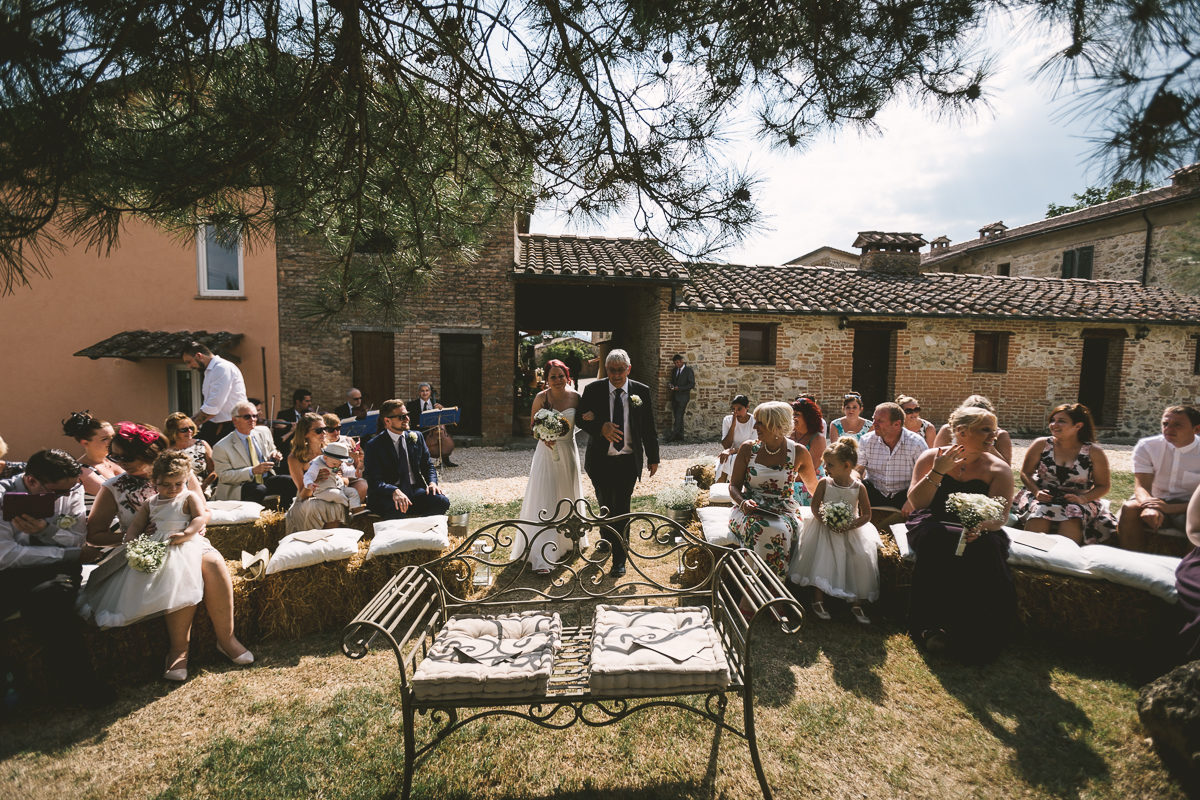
[(763, 476)]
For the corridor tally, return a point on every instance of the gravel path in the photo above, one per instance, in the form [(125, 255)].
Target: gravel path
[(499, 475)]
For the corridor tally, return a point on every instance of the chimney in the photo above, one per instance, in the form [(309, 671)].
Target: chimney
[(890, 253), (993, 231), (940, 243), (1188, 176)]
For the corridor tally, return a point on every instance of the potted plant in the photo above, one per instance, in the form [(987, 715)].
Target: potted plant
[(679, 500), (459, 513)]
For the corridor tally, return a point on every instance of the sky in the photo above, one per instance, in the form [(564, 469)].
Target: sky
[(921, 175)]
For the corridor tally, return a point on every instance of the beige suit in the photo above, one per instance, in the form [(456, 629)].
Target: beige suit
[(233, 464)]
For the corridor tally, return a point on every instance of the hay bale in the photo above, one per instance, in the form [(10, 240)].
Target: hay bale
[(1177, 546), (704, 474), (231, 540), (702, 499)]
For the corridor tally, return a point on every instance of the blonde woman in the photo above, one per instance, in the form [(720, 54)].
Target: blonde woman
[(1001, 446), (913, 420), (181, 432)]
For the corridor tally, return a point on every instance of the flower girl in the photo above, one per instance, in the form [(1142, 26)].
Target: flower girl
[(839, 548), (156, 580)]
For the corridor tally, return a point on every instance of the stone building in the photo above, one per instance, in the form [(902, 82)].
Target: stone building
[(1126, 239)]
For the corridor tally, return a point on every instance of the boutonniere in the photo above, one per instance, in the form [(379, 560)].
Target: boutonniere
[(412, 436), (635, 401), (65, 521)]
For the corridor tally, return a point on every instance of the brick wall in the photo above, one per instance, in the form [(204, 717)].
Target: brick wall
[(476, 297)]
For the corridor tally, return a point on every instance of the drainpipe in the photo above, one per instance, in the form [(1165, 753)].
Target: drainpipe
[(1146, 255)]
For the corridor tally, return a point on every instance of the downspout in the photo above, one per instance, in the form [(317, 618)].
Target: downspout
[(1146, 255)]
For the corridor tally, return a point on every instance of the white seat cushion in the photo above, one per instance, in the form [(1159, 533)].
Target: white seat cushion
[(233, 512), (490, 657), (404, 535), (714, 521), (292, 553), (1064, 556), (1154, 574), (718, 494), (646, 651)]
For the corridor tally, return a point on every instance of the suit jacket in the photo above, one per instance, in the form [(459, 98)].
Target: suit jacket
[(232, 461), (382, 466), (414, 408), (683, 387), (642, 433)]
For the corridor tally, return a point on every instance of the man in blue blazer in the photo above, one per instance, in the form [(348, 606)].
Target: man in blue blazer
[(401, 481)]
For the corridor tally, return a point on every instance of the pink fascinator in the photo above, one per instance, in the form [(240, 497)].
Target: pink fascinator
[(131, 431)]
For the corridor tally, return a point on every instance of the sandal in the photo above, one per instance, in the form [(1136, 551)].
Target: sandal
[(818, 608), (860, 615)]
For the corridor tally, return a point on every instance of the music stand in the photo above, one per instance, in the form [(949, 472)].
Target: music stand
[(362, 428), (433, 419)]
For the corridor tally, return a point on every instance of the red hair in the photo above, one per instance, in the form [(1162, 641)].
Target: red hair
[(554, 362), (807, 408)]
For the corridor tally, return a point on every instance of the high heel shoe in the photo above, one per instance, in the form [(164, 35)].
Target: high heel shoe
[(818, 608), (242, 660), (179, 674)]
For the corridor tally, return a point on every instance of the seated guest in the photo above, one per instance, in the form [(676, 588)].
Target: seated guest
[(1001, 447), (964, 604), (886, 458), (95, 435), (426, 401), (284, 433), (1065, 475), (736, 428), (333, 433), (401, 481), (1166, 471), (1187, 585), (808, 425), (245, 462), (913, 420), (350, 408), (9, 469), (181, 435), (852, 424), (309, 512), (40, 573)]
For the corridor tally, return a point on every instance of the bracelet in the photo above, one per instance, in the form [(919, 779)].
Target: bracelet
[(931, 480), (935, 472)]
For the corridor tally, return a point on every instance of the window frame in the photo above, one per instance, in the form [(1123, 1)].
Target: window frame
[(1004, 270), (173, 371), (999, 353), (1071, 262), (768, 330), (202, 266)]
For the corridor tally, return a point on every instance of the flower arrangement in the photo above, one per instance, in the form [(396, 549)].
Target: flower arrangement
[(972, 511), (463, 504), (66, 521), (549, 424), (837, 516), (678, 497), (145, 554), (635, 401)]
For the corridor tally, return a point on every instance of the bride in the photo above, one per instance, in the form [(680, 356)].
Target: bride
[(554, 475)]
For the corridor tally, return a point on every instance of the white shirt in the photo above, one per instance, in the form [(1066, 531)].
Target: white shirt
[(318, 464), (625, 448), (744, 433), (1176, 470), (412, 476), (53, 544), (223, 389)]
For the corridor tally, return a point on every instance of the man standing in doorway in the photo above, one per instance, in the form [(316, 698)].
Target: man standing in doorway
[(683, 380), (223, 388)]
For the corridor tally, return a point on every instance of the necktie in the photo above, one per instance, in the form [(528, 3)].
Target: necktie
[(254, 459), (402, 457), (618, 417)]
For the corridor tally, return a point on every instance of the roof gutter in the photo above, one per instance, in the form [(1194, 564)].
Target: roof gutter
[(1146, 255), (910, 315)]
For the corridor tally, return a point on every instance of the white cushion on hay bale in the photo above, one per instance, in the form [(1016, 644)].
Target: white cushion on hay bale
[(233, 512), (714, 521), (718, 494), (292, 553), (406, 535)]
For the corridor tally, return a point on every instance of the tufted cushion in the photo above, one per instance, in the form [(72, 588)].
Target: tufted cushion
[(647, 651), (490, 657)]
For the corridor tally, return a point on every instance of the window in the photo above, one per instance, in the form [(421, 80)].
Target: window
[(1196, 355), (1004, 269), (219, 262), (756, 343), (1077, 263), (183, 389), (991, 352)]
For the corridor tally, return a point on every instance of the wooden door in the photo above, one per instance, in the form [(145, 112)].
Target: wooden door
[(374, 366), (1093, 371), (462, 381), (871, 374)]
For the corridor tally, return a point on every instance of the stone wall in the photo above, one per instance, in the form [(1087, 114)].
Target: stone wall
[(933, 362), (464, 298)]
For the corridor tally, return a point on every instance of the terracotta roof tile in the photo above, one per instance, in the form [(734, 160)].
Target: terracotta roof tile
[(597, 257), (834, 290), (132, 345), (868, 238)]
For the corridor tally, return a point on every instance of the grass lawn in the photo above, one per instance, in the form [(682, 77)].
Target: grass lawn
[(843, 711)]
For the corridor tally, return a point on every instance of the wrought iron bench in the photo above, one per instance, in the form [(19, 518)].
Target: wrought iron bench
[(416, 604)]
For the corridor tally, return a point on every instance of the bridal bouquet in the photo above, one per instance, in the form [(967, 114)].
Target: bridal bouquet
[(145, 554), (837, 516), (972, 511), (549, 424)]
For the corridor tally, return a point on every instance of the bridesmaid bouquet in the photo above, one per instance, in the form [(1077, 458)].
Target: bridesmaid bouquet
[(972, 511), (145, 554), (549, 424), (837, 516)]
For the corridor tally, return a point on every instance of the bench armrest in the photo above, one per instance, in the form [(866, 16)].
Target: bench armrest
[(744, 589), (406, 610)]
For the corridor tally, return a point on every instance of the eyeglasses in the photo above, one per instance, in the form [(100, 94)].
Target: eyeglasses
[(187, 430), (121, 459), (911, 411), (247, 416), (317, 430), (398, 416)]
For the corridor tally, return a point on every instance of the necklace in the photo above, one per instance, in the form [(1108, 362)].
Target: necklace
[(771, 452)]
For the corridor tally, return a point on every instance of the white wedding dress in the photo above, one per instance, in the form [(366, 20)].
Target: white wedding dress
[(551, 479)]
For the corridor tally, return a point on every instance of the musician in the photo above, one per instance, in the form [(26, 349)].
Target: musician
[(353, 407), (427, 401), (284, 427)]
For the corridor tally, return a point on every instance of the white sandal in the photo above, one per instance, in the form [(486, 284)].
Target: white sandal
[(860, 615), (818, 608)]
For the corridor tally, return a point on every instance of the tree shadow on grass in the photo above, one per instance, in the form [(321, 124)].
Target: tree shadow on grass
[(1013, 699)]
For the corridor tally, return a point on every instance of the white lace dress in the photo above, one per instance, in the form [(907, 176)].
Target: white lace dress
[(842, 565), (554, 476)]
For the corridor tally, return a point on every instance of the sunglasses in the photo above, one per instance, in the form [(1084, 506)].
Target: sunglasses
[(910, 411), (398, 416), (334, 428), (317, 430), (187, 430), (121, 459), (247, 416)]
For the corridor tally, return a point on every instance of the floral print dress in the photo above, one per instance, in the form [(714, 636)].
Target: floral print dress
[(1098, 524), (771, 488)]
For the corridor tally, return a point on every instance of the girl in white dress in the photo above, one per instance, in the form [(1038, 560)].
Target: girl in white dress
[(553, 477), (178, 516), (841, 563)]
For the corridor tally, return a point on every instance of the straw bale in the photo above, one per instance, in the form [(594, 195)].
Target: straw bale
[(704, 474), (231, 540), (702, 499), (1177, 546)]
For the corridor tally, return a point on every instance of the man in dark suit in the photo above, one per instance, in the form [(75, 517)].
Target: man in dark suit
[(426, 400), (619, 420), (683, 380), (401, 481)]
